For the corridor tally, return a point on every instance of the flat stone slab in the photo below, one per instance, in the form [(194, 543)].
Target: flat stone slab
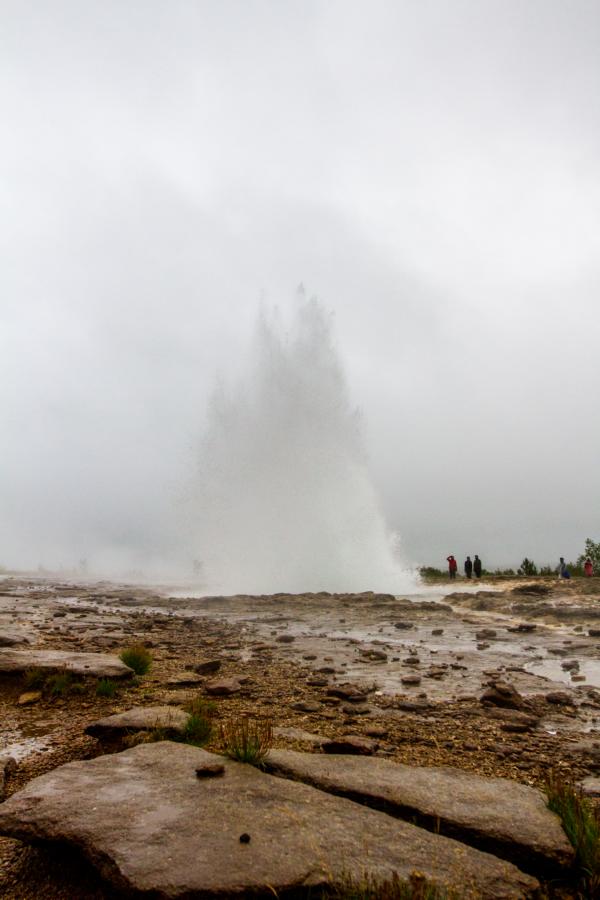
[(149, 823), (494, 814), (96, 665), (140, 718), (13, 636)]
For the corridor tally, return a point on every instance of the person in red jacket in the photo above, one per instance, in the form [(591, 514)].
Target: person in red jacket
[(588, 568), (452, 566)]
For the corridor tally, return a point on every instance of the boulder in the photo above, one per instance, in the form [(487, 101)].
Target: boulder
[(222, 687), (96, 665), (169, 720), (208, 667), (152, 826), (495, 814), (501, 693)]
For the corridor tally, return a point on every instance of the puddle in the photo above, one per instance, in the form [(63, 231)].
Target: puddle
[(552, 669)]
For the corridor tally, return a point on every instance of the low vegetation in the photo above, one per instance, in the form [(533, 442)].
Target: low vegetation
[(581, 822), (33, 679), (248, 740), (52, 684), (138, 658), (370, 888), (106, 687)]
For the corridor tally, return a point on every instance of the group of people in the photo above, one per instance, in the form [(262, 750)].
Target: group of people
[(472, 566), (563, 570)]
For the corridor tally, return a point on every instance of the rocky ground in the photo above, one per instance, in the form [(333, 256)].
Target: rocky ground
[(498, 680)]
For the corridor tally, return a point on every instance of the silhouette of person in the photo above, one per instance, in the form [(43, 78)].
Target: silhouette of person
[(468, 567), (477, 566), (588, 569), (452, 566), (563, 572)]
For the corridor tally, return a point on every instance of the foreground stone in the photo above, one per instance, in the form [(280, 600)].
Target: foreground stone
[(114, 728), (15, 636), (97, 665), (494, 814), (149, 823)]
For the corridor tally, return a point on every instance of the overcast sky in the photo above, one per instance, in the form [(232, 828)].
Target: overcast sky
[(430, 170)]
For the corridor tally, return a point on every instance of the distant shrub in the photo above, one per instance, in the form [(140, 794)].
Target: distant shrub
[(527, 567), (137, 658), (106, 688), (247, 741), (432, 572)]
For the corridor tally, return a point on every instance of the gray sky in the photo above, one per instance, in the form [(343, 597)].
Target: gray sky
[(430, 170)]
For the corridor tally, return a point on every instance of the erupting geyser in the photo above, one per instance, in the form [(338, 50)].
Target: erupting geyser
[(283, 500)]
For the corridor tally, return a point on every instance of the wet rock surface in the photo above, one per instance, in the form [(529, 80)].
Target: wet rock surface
[(160, 835), (437, 722), (94, 665), (166, 719), (480, 811)]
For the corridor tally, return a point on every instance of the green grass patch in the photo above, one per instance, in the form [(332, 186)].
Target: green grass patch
[(137, 658), (247, 740), (58, 684), (106, 687), (581, 822)]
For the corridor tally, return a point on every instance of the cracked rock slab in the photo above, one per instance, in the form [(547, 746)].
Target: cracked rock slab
[(149, 824), (141, 718), (96, 665), (494, 814)]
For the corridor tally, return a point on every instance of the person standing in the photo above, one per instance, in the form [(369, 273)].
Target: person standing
[(588, 569), (477, 566), (468, 567), (452, 566), (563, 572)]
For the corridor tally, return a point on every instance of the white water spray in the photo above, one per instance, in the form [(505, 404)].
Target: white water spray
[(284, 501)]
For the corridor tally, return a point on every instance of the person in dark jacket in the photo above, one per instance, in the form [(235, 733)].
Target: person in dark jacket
[(468, 567), (452, 566), (477, 566)]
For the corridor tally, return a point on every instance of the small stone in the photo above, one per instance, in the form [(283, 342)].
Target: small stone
[(559, 698), (207, 667), (29, 697), (244, 838), (285, 638), (210, 770), (351, 744), (308, 706)]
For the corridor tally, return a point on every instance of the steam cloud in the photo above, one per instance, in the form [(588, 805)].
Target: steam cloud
[(283, 499)]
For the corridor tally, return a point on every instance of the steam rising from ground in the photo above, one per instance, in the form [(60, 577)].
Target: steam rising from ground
[(284, 501)]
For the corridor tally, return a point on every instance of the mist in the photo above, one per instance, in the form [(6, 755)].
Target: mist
[(430, 171), (284, 500)]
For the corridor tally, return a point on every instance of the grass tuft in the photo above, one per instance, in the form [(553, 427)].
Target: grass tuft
[(58, 684), (581, 823), (371, 888), (197, 731), (247, 741), (137, 658), (106, 688), (34, 679)]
